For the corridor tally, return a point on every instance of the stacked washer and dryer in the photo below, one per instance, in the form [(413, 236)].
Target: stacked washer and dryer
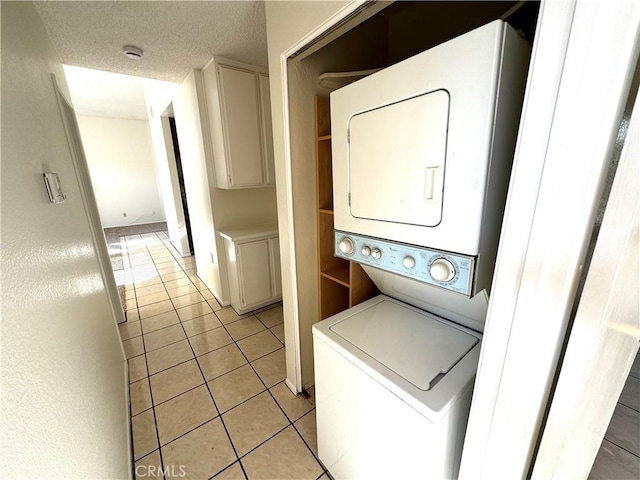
[(422, 154)]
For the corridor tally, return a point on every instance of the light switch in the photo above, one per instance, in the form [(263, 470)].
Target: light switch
[(54, 189)]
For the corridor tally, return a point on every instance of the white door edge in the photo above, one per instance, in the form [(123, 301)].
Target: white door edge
[(538, 270)]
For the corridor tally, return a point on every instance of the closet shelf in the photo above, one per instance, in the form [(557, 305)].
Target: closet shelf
[(338, 273), (342, 284)]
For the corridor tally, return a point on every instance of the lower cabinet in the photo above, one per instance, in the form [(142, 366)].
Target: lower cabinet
[(253, 266)]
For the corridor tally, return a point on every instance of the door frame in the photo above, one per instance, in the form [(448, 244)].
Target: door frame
[(606, 325), (76, 150), (538, 272), (179, 174), (182, 243), (528, 278), (329, 29)]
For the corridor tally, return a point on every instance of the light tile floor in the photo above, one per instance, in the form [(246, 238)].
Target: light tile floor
[(208, 398)]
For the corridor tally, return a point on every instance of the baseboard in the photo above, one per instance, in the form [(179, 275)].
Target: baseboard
[(291, 386), (125, 225), (128, 417)]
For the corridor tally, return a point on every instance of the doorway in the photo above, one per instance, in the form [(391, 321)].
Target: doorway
[(172, 184), (183, 191)]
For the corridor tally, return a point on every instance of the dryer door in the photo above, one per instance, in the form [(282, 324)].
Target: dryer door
[(397, 159)]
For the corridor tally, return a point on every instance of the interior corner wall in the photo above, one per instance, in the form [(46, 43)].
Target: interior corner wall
[(64, 412), (120, 158), (287, 24)]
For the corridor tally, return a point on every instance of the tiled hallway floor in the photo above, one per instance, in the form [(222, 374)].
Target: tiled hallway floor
[(208, 398)]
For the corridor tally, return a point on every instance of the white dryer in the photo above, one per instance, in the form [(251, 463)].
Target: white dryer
[(422, 154), (421, 161)]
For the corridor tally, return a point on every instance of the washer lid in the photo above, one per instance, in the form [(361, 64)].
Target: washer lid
[(414, 345)]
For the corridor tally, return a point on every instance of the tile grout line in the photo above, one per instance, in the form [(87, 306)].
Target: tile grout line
[(196, 335), (291, 422), (627, 406), (179, 323), (266, 389), (621, 447), (227, 468), (215, 406), (176, 396), (168, 368), (155, 418), (202, 355), (124, 273), (133, 462)]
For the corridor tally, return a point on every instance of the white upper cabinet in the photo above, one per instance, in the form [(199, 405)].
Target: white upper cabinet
[(239, 115), (241, 126)]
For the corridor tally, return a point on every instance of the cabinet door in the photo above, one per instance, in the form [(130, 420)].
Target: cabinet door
[(241, 126), (254, 270), (276, 276), (267, 130)]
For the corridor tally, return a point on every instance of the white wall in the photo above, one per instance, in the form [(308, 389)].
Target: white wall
[(63, 382), (120, 158)]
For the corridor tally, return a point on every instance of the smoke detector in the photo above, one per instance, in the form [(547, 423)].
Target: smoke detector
[(132, 52)]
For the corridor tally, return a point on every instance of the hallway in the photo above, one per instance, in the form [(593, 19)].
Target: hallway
[(207, 389)]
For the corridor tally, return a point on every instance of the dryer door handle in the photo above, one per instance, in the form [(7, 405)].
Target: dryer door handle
[(430, 183)]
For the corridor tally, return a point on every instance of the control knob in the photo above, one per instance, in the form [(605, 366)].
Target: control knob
[(376, 253), (409, 262), (346, 245), (442, 270)]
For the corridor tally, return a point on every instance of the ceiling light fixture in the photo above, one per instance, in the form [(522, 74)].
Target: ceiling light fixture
[(132, 52)]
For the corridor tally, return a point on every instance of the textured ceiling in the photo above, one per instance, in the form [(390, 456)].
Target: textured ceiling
[(96, 93), (176, 36)]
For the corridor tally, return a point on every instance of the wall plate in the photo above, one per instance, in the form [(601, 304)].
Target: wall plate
[(54, 189)]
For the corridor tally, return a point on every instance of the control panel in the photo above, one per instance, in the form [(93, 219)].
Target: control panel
[(435, 267)]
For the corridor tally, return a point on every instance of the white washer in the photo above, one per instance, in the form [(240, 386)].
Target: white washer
[(393, 390)]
